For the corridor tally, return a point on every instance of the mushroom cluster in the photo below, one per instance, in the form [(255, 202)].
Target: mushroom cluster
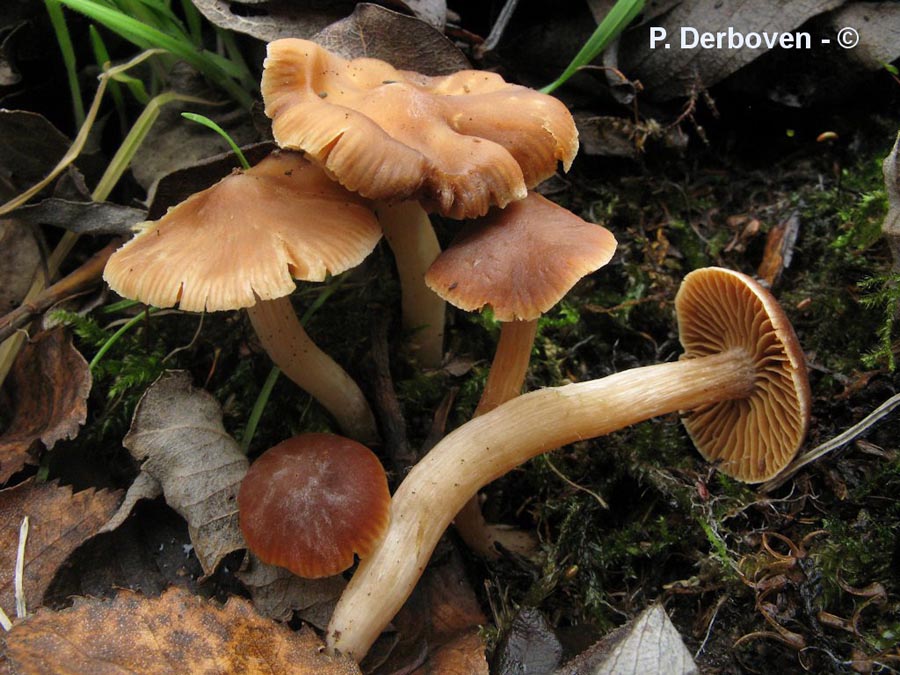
[(371, 150)]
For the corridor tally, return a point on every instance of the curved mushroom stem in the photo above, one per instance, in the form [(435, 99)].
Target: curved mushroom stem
[(504, 382), (409, 233), (492, 444), (291, 349)]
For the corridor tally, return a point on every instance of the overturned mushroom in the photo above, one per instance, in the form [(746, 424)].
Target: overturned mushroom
[(520, 261), (309, 503), (742, 380), (238, 244), (456, 144)]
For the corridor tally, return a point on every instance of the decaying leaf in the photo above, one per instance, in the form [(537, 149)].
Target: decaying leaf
[(608, 136), (678, 72), (20, 258), (878, 25), (175, 187), (59, 521), (376, 32), (278, 594), (178, 143), (436, 630), (276, 19), (647, 644), (29, 148), (93, 218), (176, 632), (50, 382), (530, 645), (177, 432)]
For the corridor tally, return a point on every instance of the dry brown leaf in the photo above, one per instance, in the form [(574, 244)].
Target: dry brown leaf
[(677, 72), (463, 655), (30, 146), (177, 432), (59, 522), (174, 633), (49, 383), (376, 32), (20, 258), (277, 593), (276, 19)]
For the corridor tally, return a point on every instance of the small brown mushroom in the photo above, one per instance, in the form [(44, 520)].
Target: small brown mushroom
[(309, 503), (456, 144), (238, 244), (520, 261), (742, 360)]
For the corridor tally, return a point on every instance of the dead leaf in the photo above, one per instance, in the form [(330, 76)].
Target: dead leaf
[(50, 383), (93, 218), (278, 594), (273, 20), (20, 258), (435, 627), (530, 645), (648, 643), (29, 148), (177, 432), (59, 522), (679, 72), (878, 25), (404, 42), (178, 143), (176, 632), (175, 187)]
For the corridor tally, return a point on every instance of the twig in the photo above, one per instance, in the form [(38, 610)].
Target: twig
[(840, 440), (21, 610), (81, 279), (387, 406)]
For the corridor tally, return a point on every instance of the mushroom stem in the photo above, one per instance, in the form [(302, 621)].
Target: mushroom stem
[(494, 443), (507, 373), (291, 349), (504, 382), (409, 233)]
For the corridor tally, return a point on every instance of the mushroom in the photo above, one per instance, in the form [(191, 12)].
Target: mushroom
[(238, 244), (456, 144), (311, 501), (742, 382), (520, 261)]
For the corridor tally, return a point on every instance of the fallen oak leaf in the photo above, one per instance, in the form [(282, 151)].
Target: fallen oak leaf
[(176, 632), (177, 433), (50, 383), (59, 522)]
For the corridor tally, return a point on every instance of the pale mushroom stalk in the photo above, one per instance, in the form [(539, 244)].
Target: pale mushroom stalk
[(742, 378), (504, 382), (241, 243), (494, 443), (520, 261), (409, 233), (293, 351)]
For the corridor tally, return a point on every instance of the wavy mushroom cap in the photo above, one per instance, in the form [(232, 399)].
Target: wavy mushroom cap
[(310, 502), (520, 260), (458, 143), (749, 439), (246, 238)]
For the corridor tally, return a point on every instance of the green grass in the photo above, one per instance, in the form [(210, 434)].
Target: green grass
[(621, 14)]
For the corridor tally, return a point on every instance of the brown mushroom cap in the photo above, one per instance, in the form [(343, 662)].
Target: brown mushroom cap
[(311, 501), (459, 143), (520, 260), (245, 237), (750, 439)]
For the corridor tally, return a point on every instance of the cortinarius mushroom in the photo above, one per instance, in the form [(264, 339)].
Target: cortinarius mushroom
[(742, 379), (238, 244), (457, 144), (311, 501), (520, 261)]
